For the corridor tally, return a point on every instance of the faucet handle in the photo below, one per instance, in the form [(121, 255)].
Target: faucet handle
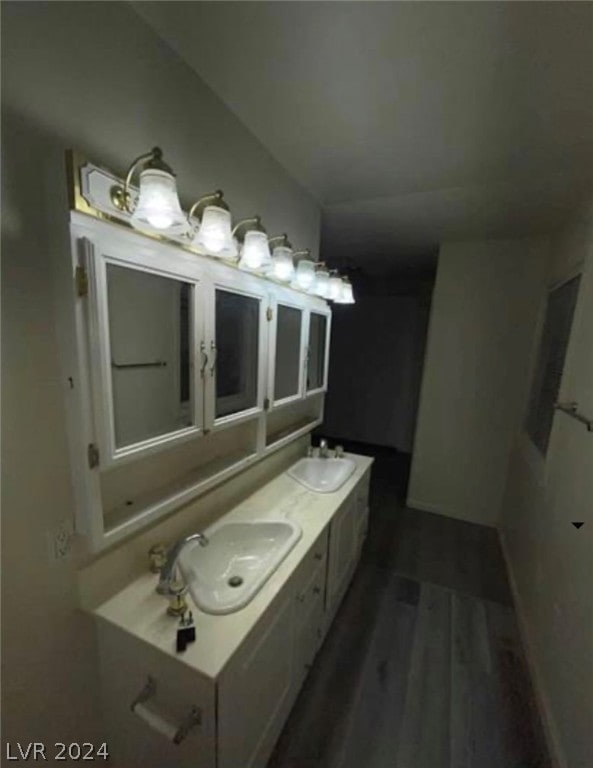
[(157, 556), (339, 451)]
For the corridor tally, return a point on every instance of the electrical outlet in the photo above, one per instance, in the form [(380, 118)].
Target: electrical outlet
[(60, 541)]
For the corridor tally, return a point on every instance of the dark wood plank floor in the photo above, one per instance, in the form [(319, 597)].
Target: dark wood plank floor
[(423, 666)]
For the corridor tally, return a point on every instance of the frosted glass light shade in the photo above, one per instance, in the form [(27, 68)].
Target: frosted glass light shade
[(255, 253), (305, 274), (321, 285), (214, 234), (283, 267), (158, 204), (334, 292), (347, 294)]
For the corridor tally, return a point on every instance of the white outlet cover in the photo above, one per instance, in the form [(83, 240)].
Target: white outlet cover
[(60, 541)]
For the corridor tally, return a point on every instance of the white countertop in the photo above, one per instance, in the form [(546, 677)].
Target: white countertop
[(139, 610)]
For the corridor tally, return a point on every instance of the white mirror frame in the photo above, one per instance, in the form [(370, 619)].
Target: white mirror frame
[(242, 285), (152, 261), (328, 318), (281, 298)]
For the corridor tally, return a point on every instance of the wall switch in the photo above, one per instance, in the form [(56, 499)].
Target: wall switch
[(60, 541)]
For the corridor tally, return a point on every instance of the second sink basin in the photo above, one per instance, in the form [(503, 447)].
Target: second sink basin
[(240, 557), (322, 475)]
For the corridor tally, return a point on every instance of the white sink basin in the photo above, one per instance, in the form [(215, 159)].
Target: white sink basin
[(322, 475), (240, 557)]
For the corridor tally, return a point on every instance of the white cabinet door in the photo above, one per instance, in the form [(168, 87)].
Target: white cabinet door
[(255, 692), (343, 552), (362, 510), (136, 737), (309, 624), (236, 348)]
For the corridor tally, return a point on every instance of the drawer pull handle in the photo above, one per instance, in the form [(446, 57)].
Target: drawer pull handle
[(318, 556), (158, 722), (316, 590)]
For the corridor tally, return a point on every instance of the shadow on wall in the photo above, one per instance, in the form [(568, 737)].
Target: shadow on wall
[(376, 360), (49, 679)]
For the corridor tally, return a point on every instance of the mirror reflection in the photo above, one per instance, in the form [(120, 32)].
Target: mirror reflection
[(150, 338), (288, 352), (316, 362), (237, 335)]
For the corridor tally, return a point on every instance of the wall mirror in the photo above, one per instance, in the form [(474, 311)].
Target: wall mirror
[(287, 360), (150, 335), (237, 352), (317, 351)]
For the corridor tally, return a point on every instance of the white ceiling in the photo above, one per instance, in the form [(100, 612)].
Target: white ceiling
[(411, 122)]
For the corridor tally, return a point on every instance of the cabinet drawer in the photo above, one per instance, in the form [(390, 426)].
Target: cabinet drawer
[(314, 588), (316, 558)]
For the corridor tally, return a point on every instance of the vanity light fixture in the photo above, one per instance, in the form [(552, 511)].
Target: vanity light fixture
[(282, 264), (157, 205), (305, 270), (255, 251), (321, 285), (214, 234)]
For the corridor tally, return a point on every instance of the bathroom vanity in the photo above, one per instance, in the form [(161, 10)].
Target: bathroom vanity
[(222, 703), (187, 374)]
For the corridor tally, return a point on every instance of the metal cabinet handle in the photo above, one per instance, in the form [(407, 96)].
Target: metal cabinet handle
[(214, 351), (159, 723), (204, 359)]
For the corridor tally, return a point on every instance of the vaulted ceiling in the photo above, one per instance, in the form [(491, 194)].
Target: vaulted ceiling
[(411, 122)]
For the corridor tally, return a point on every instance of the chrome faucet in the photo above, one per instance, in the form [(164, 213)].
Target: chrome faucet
[(168, 570), (323, 449)]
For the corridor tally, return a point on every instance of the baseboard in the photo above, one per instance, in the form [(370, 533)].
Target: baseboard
[(439, 509), (555, 750), (426, 506)]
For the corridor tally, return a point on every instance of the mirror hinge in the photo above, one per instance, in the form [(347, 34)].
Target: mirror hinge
[(269, 314), (81, 281), (93, 455), (266, 404)]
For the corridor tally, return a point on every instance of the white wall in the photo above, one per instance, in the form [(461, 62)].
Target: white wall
[(551, 562), (484, 312), (94, 77), (377, 350)]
